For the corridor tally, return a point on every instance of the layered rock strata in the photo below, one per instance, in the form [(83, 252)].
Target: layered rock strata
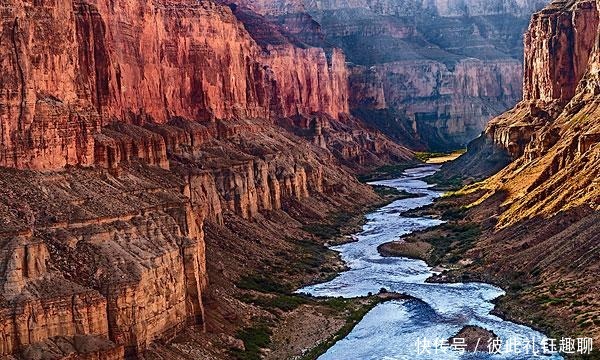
[(544, 203), (553, 131), (401, 8), (438, 71), (442, 106), (117, 255), (149, 119), (559, 45), (89, 254), (557, 50), (139, 62)]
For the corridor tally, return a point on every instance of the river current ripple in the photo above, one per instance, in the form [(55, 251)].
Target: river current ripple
[(391, 330)]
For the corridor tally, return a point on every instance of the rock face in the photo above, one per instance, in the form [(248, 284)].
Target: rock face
[(438, 71), (150, 119), (572, 34), (553, 128), (405, 7), (445, 107), (87, 255), (140, 61), (308, 82), (559, 45), (546, 201), (115, 258)]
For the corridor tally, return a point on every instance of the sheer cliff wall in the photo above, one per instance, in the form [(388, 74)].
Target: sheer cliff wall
[(429, 73), (72, 67)]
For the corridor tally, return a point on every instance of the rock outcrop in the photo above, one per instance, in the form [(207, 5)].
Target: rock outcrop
[(552, 133), (89, 255), (544, 203), (128, 125), (430, 74), (554, 31), (115, 259)]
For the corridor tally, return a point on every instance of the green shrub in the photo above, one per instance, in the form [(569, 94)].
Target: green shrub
[(324, 231), (255, 338), (387, 172), (387, 191), (445, 183), (262, 284), (337, 304), (454, 241), (355, 316), (332, 228)]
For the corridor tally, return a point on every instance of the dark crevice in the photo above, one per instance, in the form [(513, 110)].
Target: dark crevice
[(20, 125)]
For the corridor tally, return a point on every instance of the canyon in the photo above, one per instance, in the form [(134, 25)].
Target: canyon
[(157, 155), (429, 74), (136, 132), (541, 196)]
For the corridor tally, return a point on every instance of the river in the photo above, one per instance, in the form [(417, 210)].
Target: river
[(403, 329)]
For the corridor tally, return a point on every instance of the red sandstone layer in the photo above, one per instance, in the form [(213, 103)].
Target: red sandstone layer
[(140, 61)]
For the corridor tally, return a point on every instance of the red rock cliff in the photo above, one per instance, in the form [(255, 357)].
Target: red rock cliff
[(138, 61), (552, 136), (559, 44), (307, 83), (102, 262), (557, 49)]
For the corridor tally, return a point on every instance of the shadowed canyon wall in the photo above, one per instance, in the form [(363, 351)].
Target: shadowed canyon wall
[(430, 74), (559, 45), (403, 7)]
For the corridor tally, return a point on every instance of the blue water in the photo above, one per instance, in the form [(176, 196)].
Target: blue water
[(396, 330)]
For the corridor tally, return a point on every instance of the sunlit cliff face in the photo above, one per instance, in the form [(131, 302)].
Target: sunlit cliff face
[(124, 126), (140, 62)]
